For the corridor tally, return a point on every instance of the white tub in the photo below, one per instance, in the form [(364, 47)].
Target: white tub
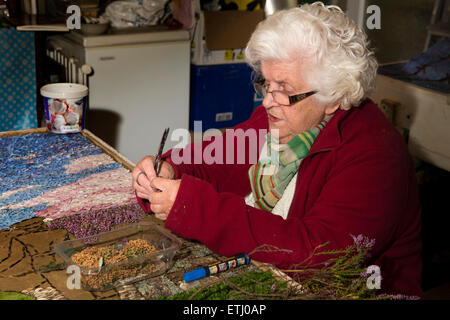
[(65, 106)]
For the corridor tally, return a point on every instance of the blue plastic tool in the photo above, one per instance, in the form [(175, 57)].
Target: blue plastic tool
[(221, 266)]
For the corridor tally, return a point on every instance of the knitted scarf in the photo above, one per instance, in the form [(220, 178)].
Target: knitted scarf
[(278, 164)]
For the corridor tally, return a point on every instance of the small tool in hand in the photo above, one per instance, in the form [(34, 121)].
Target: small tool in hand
[(160, 150)]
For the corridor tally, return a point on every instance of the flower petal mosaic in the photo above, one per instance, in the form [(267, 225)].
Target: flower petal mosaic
[(56, 176)]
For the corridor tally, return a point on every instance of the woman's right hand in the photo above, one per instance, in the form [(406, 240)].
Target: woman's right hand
[(144, 171)]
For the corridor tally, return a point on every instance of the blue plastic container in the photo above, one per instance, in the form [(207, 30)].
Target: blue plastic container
[(221, 96)]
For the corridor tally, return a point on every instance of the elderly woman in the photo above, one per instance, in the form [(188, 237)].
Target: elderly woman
[(343, 169)]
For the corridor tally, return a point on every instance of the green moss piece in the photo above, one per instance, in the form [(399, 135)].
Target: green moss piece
[(6, 295), (255, 282), (52, 266)]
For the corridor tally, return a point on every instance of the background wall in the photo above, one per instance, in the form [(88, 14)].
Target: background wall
[(403, 28)]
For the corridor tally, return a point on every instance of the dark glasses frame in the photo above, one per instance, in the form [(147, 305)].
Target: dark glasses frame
[(260, 88)]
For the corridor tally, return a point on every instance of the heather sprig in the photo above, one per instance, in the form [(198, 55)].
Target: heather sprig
[(98, 221), (342, 276)]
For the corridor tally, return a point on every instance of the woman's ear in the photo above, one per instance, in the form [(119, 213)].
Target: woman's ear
[(331, 109)]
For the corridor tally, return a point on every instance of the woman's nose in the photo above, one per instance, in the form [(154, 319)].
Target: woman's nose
[(268, 101)]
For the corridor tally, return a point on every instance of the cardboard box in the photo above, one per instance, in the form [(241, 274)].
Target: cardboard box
[(220, 37), (230, 29)]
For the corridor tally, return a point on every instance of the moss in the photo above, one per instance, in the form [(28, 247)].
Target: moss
[(52, 266), (5, 295), (255, 282)]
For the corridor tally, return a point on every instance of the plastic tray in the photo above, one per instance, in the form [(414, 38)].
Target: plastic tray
[(133, 269)]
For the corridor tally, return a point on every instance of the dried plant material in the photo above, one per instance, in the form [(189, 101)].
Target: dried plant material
[(91, 256), (107, 260), (88, 162), (340, 277), (105, 280)]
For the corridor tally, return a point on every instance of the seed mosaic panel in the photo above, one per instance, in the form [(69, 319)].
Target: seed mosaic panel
[(53, 176)]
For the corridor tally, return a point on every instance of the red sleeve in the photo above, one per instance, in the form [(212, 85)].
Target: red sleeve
[(357, 199)]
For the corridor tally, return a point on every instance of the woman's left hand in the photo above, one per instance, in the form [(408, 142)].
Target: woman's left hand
[(162, 202)]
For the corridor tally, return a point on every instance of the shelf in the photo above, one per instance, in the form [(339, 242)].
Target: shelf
[(27, 22)]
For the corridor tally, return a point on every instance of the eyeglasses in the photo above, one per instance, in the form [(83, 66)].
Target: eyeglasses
[(280, 97)]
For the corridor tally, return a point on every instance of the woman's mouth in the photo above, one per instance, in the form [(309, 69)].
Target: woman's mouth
[(273, 119)]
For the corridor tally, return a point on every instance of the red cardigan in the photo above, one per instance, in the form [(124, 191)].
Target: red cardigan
[(357, 179)]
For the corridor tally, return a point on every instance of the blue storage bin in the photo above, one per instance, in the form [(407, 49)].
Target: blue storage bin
[(257, 101), (221, 96)]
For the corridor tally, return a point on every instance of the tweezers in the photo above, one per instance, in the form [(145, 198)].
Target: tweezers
[(160, 150)]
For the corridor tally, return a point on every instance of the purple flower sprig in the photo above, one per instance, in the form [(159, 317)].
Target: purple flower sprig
[(363, 246), (396, 297), (363, 243), (94, 222)]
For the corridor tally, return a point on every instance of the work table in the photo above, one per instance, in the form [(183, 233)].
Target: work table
[(28, 263)]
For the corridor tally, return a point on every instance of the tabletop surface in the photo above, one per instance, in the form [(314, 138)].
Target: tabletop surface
[(28, 263)]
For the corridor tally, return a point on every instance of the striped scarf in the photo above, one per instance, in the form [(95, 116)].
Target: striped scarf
[(278, 164)]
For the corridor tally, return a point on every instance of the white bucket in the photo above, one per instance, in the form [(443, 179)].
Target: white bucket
[(65, 106)]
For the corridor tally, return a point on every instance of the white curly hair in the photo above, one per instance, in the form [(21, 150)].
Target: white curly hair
[(341, 67)]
